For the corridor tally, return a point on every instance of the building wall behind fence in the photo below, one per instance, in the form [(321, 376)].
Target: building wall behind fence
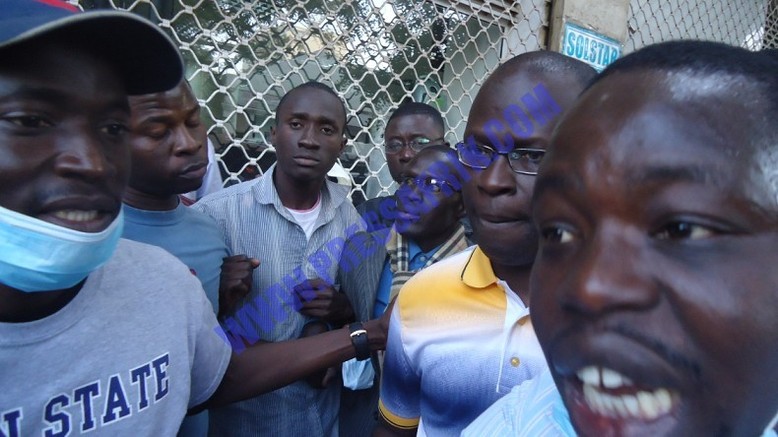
[(242, 56), (752, 24)]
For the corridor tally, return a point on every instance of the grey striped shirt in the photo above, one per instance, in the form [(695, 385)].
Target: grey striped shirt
[(254, 222)]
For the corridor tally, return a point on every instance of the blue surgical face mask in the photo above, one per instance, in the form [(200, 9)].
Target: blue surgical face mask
[(39, 256)]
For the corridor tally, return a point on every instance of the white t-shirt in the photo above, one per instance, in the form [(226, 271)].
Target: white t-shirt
[(306, 218)]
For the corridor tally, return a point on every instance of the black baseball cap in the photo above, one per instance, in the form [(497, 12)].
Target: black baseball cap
[(145, 57)]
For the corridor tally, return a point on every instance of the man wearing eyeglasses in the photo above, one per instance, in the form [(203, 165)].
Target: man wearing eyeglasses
[(460, 336), (427, 229), (412, 127)]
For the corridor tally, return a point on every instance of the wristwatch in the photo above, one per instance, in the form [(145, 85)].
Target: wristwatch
[(359, 340)]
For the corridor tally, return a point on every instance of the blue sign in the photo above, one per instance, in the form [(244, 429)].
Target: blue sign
[(588, 46)]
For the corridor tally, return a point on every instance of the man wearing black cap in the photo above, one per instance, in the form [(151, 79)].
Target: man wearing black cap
[(96, 332)]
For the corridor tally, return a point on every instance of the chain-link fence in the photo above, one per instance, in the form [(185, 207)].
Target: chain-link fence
[(242, 56), (752, 24)]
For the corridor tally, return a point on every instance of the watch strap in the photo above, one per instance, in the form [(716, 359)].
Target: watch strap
[(358, 336)]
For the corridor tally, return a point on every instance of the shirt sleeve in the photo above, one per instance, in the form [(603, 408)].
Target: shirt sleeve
[(210, 354), (400, 399)]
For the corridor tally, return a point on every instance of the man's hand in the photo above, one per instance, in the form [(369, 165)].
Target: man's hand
[(288, 361), (320, 300), (235, 282), (324, 377)]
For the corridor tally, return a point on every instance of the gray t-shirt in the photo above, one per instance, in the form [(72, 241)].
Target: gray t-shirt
[(128, 355)]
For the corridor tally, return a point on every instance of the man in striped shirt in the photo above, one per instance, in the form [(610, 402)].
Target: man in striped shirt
[(295, 222)]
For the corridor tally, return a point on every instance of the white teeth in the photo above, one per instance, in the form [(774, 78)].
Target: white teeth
[(611, 379), (606, 403), (590, 375), (633, 407), (604, 377), (593, 399), (664, 399), (620, 406), (649, 406), (641, 404), (75, 215)]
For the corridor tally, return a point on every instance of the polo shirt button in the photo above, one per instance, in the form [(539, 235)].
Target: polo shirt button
[(515, 362)]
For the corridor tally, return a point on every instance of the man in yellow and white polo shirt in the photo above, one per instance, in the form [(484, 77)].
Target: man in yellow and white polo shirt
[(460, 335)]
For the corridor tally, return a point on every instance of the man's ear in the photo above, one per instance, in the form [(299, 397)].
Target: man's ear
[(273, 136)]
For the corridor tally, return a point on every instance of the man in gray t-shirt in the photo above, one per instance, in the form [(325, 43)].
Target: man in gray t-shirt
[(114, 365), (99, 334)]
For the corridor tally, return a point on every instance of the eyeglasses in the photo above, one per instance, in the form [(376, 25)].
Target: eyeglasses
[(524, 161), (416, 144), (428, 184)]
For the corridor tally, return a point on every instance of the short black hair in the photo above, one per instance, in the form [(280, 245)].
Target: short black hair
[(545, 61), (418, 108), (312, 85), (704, 57)]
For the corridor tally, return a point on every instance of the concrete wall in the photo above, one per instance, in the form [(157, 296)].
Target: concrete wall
[(606, 17), (637, 23)]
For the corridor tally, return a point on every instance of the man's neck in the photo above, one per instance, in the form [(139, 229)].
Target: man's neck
[(150, 202), (428, 243), (17, 306), (296, 194), (517, 278)]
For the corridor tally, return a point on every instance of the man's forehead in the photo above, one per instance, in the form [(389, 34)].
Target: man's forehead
[(497, 94), (540, 96), (634, 121), (432, 163), (303, 94), (679, 87), (413, 121), (313, 102), (712, 100)]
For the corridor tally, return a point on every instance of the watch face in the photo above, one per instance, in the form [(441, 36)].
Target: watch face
[(358, 332)]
